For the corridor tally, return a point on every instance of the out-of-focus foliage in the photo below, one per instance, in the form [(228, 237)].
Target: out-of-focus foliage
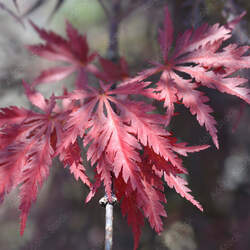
[(37, 4)]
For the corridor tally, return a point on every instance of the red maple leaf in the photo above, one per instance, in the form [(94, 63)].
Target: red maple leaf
[(74, 51), (114, 71), (28, 143), (119, 130), (198, 53)]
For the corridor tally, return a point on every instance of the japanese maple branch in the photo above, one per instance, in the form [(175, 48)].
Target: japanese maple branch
[(105, 9), (133, 6), (109, 227), (105, 202), (195, 12), (113, 15), (114, 22), (16, 5), (10, 12)]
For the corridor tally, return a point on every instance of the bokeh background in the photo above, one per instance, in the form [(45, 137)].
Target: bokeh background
[(219, 179)]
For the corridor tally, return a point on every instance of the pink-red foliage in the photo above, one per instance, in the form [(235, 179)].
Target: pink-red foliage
[(128, 145)]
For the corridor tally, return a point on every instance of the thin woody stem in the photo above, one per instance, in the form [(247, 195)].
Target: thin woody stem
[(10, 12), (104, 201), (109, 227), (105, 9), (114, 22)]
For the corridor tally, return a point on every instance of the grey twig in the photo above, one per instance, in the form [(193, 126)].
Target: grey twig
[(109, 227), (105, 9), (114, 23), (16, 5), (109, 220), (134, 5), (195, 12), (17, 18)]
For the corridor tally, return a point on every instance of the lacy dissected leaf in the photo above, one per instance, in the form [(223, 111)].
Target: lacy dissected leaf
[(147, 201), (122, 149), (12, 115), (153, 204), (104, 170), (80, 117), (37, 98), (12, 160), (196, 102), (171, 174), (27, 147), (26, 161), (53, 74), (74, 51), (167, 92), (71, 156), (129, 207), (115, 132), (229, 85), (191, 39), (175, 181), (114, 71), (98, 137), (231, 57), (148, 129), (211, 66), (34, 173)]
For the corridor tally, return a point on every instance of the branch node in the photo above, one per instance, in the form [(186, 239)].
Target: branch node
[(105, 200)]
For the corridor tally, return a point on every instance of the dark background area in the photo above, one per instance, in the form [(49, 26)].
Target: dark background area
[(219, 179)]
